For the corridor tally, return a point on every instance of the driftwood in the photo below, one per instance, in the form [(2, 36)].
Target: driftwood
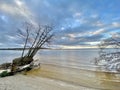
[(8, 72)]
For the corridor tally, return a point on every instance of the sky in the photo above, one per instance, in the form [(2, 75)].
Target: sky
[(77, 23)]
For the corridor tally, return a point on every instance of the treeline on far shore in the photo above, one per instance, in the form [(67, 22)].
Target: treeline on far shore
[(20, 48)]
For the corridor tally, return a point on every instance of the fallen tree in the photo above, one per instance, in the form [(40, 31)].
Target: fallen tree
[(109, 55), (36, 37)]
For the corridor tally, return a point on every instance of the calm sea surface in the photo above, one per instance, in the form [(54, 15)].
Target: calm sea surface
[(74, 67), (75, 58)]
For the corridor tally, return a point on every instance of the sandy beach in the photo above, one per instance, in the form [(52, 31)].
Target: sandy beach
[(22, 82), (52, 77), (33, 80)]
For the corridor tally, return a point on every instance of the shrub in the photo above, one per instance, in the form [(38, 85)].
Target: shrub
[(4, 74)]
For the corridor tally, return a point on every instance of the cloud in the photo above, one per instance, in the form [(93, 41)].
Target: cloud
[(100, 31), (77, 22), (17, 9), (116, 24)]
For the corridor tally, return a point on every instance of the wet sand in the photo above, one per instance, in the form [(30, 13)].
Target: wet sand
[(21, 82), (54, 77), (79, 77)]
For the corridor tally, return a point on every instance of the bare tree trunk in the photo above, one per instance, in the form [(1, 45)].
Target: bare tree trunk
[(25, 42), (34, 42), (41, 37)]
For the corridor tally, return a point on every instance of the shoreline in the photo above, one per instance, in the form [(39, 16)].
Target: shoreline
[(51, 77), (88, 79)]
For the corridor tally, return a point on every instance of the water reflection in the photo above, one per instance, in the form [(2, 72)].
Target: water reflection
[(108, 80), (80, 77)]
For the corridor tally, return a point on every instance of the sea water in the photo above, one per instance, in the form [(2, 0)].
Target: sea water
[(74, 67), (63, 57)]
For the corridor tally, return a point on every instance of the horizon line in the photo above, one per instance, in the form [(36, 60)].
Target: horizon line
[(48, 48)]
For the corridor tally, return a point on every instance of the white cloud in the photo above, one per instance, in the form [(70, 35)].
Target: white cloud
[(98, 32), (93, 43), (63, 38), (72, 35), (116, 24), (18, 2), (18, 9), (77, 14), (11, 37), (115, 34), (99, 24), (9, 9)]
